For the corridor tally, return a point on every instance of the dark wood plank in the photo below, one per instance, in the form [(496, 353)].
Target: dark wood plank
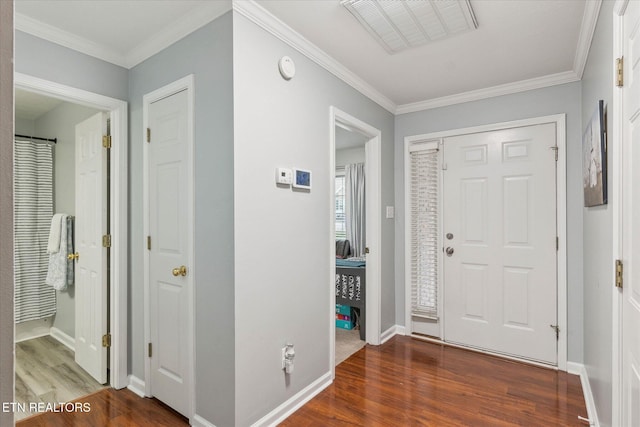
[(111, 407), (405, 382), (411, 382)]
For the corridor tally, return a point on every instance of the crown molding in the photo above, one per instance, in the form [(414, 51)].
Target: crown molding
[(63, 38), (490, 92), (264, 19), (587, 30), (180, 28)]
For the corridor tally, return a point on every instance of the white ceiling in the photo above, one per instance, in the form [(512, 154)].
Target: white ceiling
[(519, 44)]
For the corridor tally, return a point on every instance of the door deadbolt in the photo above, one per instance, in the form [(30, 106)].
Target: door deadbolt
[(180, 271), (449, 251), (449, 236)]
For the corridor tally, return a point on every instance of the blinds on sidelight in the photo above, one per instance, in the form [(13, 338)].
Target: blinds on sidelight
[(424, 177)]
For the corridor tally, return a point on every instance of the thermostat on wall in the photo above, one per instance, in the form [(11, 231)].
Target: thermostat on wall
[(302, 179), (283, 176)]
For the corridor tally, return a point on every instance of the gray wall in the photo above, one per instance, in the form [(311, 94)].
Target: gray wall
[(349, 156), (24, 126), (60, 123), (535, 103), (206, 53), (282, 236), (6, 209), (40, 58), (598, 228)]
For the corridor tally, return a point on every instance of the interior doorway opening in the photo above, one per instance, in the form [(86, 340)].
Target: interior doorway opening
[(78, 100), (354, 286)]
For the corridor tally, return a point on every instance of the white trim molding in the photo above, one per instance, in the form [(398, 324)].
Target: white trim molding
[(391, 332), (490, 92), (587, 30), (118, 112), (165, 37), (65, 339), (136, 385), (279, 414), (264, 19), (580, 370), (198, 421)]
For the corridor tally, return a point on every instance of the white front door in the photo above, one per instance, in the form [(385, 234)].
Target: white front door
[(630, 370), (499, 227), (91, 265), (170, 257)]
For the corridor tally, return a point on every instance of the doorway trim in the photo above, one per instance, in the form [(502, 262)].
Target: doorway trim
[(617, 161), (373, 186), (185, 83), (118, 283), (561, 216)]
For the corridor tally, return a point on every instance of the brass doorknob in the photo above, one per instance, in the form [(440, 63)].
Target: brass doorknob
[(180, 271), (73, 256)]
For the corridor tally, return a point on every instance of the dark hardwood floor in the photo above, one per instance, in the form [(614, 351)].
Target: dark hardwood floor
[(405, 382), (109, 407)]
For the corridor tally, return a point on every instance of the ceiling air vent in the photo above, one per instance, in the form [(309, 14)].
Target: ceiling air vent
[(403, 24)]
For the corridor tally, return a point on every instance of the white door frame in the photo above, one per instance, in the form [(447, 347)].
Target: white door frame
[(373, 167), (561, 202), (118, 283), (617, 163), (185, 83)]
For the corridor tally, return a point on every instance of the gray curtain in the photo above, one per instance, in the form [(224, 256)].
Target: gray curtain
[(33, 209), (355, 207)]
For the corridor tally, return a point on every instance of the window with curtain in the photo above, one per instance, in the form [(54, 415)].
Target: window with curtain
[(341, 217), (424, 192)]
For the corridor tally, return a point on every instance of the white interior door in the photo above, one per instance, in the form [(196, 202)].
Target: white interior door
[(91, 266), (170, 256), (500, 288), (630, 352)]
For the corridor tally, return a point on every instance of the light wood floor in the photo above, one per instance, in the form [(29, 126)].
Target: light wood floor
[(404, 382), (46, 372)]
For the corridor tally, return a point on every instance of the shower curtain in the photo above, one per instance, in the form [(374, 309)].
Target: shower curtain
[(33, 209)]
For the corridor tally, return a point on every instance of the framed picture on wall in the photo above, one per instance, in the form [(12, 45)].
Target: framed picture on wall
[(594, 159)]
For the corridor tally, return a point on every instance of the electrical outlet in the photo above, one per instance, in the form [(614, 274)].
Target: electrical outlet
[(282, 358)]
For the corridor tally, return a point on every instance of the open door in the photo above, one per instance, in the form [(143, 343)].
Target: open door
[(91, 262)]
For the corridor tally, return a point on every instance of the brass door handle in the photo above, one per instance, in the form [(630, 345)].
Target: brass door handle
[(180, 271), (73, 256)]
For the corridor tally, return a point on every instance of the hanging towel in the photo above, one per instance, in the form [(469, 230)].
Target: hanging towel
[(54, 234), (57, 272), (71, 265)]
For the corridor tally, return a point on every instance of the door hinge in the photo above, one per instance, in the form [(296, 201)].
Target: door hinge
[(106, 340), (557, 243), (106, 141), (148, 134), (620, 71), (149, 243), (106, 241), (150, 352), (555, 150), (557, 329), (619, 273)]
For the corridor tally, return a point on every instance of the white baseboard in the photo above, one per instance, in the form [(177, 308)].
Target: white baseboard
[(198, 421), (32, 329), (580, 370), (391, 332), (279, 414), (136, 385), (67, 340)]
